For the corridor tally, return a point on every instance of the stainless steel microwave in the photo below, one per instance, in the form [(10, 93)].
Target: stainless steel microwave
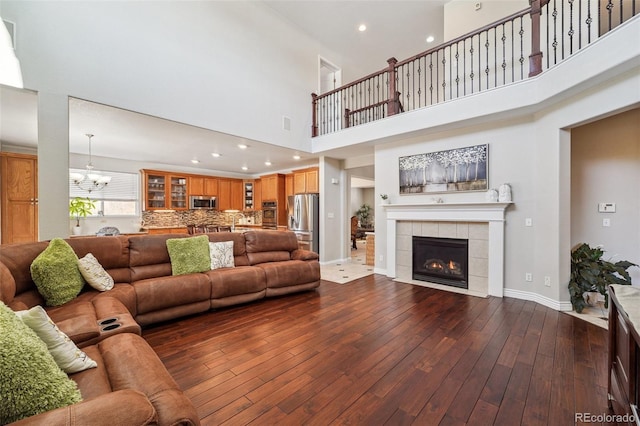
[(201, 202)]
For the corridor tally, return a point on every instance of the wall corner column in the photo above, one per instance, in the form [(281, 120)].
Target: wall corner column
[(53, 166)]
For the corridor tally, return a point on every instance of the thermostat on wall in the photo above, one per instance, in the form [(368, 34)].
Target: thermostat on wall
[(607, 207)]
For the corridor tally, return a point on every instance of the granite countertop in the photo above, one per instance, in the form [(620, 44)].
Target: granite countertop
[(629, 298)]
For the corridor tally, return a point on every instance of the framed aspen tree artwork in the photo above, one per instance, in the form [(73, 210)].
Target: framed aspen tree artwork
[(453, 170)]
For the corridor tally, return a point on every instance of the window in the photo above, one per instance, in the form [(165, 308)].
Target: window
[(119, 198)]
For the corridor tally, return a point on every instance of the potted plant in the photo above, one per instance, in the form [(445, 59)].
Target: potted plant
[(364, 213), (591, 273), (80, 207), (385, 198)]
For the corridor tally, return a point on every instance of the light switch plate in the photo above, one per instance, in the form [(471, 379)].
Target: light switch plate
[(607, 207)]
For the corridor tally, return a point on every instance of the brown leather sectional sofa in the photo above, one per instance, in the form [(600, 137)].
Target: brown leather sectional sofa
[(130, 379)]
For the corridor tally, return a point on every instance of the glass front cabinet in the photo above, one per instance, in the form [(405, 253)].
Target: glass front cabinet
[(164, 191)]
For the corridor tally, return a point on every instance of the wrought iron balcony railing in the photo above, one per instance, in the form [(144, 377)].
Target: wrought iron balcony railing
[(516, 47)]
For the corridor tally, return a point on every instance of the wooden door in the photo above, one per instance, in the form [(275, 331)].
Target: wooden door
[(224, 194), (312, 181), (269, 188), (211, 187), (288, 185), (19, 188), (237, 194), (257, 194), (196, 185), (177, 192), (155, 189), (299, 183)]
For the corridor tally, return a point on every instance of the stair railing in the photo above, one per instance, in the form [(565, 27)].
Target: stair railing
[(498, 54)]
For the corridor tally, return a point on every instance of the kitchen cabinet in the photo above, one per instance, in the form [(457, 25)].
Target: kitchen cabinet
[(305, 181), (210, 187), (177, 230), (203, 185), (196, 185), (273, 189), (249, 195), (165, 191), (312, 180), (19, 195), (257, 194), (624, 355), (230, 194), (288, 185)]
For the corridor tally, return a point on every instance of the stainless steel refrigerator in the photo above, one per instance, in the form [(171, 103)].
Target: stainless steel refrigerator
[(303, 218)]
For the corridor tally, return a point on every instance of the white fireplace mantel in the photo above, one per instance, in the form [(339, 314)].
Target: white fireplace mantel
[(491, 213)]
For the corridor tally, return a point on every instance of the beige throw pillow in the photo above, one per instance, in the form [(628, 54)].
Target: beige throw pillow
[(221, 254), (93, 272), (66, 354)]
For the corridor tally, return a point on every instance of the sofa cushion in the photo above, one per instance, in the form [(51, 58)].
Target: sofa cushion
[(30, 380), (66, 354), (172, 291), (111, 252), (93, 272), (221, 255), (131, 363), (149, 257), (270, 246), (239, 248), (55, 273), (290, 273), (189, 255), (228, 282)]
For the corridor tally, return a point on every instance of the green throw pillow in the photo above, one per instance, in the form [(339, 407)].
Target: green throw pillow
[(189, 255), (55, 272), (30, 381)]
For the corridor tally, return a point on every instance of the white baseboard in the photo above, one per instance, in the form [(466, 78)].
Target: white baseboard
[(379, 271), (333, 262), (543, 300)]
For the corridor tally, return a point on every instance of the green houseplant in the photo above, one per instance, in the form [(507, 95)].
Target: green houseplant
[(80, 207), (364, 215), (591, 273)]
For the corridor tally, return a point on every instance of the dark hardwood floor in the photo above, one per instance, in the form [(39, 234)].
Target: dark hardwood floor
[(378, 352)]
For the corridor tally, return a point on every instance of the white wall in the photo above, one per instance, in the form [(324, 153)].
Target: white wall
[(531, 153), (461, 16), (217, 65), (605, 167), (333, 210)]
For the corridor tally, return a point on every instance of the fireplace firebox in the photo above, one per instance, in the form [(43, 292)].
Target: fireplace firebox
[(441, 260)]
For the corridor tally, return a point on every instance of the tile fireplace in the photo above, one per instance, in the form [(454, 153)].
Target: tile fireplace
[(441, 260), (481, 223)]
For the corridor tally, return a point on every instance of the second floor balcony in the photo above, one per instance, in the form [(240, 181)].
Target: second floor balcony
[(515, 48)]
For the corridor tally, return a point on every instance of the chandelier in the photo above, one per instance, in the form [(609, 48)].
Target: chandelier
[(90, 180)]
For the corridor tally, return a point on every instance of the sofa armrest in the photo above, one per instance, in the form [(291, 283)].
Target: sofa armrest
[(121, 407), (300, 254)]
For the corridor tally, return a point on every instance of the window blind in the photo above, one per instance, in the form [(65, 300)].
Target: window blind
[(123, 187)]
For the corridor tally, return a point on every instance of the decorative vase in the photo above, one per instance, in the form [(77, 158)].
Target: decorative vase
[(505, 193), (491, 196), (77, 230)]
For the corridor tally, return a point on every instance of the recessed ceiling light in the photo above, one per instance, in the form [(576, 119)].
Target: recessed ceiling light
[(215, 154), (242, 146), (245, 168), (296, 157), (362, 27), (195, 161), (430, 39), (267, 163)]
